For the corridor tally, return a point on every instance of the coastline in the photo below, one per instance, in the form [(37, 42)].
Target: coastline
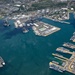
[(57, 20)]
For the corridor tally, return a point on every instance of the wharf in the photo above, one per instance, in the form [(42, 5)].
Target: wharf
[(67, 65), (61, 21), (44, 29), (70, 65)]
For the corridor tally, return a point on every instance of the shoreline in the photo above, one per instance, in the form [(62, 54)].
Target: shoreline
[(56, 20)]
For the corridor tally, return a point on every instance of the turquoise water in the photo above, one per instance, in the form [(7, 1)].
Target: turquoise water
[(28, 54)]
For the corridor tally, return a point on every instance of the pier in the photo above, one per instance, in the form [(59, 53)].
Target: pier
[(60, 56), (69, 45), (63, 50), (73, 37), (68, 63), (56, 67), (60, 59)]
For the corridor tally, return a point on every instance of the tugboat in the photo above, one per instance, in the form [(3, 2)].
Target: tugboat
[(2, 63)]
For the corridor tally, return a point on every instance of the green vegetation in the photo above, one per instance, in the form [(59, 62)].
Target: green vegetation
[(46, 4), (1, 17)]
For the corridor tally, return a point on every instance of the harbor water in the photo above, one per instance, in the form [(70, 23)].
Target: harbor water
[(29, 54)]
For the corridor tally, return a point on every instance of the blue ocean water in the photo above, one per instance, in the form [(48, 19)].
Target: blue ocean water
[(28, 54)]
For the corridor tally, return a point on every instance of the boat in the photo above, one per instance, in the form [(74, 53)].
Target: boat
[(6, 23), (25, 30), (2, 63)]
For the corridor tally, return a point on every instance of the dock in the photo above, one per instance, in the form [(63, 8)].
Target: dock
[(68, 64), (73, 37), (69, 45), (63, 50), (60, 59), (56, 67), (60, 56)]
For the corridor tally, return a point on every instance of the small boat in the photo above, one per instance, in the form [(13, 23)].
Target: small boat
[(2, 63)]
